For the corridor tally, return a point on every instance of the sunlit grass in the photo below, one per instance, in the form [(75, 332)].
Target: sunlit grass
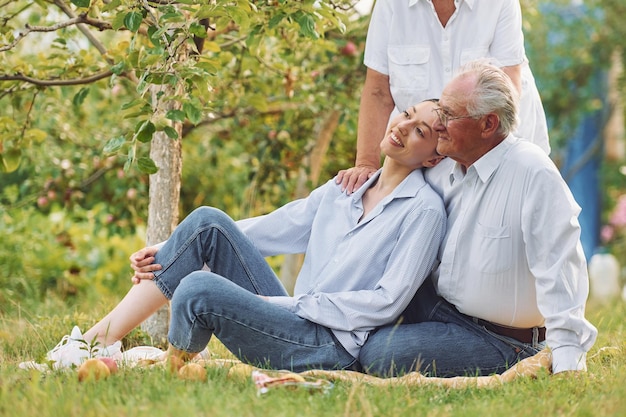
[(29, 333)]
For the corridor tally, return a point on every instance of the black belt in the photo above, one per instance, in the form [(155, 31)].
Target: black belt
[(523, 335)]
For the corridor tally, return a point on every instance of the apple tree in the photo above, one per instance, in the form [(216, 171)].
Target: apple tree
[(137, 77)]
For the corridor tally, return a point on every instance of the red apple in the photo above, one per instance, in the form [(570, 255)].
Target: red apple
[(349, 49), (110, 363), (92, 370)]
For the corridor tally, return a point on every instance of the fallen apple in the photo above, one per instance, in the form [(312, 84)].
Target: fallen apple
[(240, 371), (110, 363), (192, 372), (93, 370)]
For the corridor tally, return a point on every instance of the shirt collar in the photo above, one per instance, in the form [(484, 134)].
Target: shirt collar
[(487, 164), (490, 161), (470, 3), (407, 188)]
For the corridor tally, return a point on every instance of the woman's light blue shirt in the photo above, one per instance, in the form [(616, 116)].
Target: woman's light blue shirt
[(356, 275)]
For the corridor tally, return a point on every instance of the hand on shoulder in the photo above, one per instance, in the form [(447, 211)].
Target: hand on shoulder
[(351, 179)]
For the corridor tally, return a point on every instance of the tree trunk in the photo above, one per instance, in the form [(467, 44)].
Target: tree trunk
[(615, 139), (163, 209), (292, 263)]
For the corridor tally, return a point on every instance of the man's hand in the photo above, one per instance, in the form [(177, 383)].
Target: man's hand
[(351, 179), (142, 263)]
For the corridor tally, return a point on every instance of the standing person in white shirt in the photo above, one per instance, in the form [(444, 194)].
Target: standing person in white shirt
[(413, 49), (365, 257), (512, 277)]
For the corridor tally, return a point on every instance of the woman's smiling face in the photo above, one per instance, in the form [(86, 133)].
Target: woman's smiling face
[(410, 138)]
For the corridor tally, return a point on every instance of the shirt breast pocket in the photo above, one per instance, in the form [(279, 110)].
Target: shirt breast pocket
[(493, 248), (408, 67)]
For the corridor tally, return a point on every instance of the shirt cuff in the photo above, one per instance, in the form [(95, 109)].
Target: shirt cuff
[(568, 358), (288, 303)]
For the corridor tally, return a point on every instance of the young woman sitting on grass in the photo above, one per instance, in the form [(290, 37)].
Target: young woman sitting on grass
[(366, 254)]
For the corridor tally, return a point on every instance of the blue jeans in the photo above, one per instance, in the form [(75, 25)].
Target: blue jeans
[(224, 302), (434, 338)]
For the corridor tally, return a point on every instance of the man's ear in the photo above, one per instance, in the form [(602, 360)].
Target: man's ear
[(433, 161), (491, 122)]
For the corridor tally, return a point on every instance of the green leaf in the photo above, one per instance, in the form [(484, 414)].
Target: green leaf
[(10, 160), (307, 25), (118, 21), (81, 3), (132, 21), (205, 11), (198, 30), (79, 97), (176, 115), (211, 47), (114, 145), (207, 66), (145, 131), (111, 5), (170, 132), (171, 17), (239, 16), (35, 135), (275, 20), (136, 102), (154, 35), (193, 113), (129, 162), (118, 68), (147, 165), (258, 101)]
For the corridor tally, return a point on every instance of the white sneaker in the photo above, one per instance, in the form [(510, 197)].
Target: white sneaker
[(205, 355), (132, 356), (73, 350)]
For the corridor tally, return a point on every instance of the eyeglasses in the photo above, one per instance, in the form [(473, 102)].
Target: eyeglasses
[(444, 117)]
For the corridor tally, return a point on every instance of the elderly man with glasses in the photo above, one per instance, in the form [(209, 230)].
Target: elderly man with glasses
[(512, 278)]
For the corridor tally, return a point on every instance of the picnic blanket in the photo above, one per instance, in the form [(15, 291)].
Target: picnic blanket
[(529, 367)]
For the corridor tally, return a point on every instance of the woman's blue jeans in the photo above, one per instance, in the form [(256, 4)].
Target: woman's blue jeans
[(224, 301), (435, 339)]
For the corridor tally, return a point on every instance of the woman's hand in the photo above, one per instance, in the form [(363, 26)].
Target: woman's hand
[(351, 179), (142, 263)]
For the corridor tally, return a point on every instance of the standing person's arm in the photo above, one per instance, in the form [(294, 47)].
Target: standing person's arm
[(376, 101), (515, 74), (375, 107), (507, 47)]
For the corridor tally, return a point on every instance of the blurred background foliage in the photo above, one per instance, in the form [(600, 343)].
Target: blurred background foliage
[(71, 213)]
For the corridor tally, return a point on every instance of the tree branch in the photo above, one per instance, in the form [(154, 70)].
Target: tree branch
[(94, 41), (78, 20), (30, 109), (55, 82), (276, 109)]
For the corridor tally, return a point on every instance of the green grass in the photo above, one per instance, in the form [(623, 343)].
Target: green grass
[(154, 392)]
